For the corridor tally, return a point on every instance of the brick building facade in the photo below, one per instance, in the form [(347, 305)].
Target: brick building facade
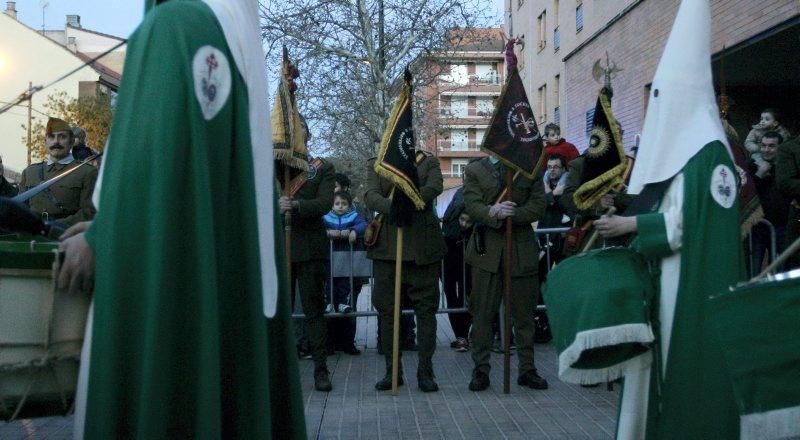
[(760, 69), (460, 102)]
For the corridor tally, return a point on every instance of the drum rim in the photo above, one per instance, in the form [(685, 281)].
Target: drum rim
[(783, 276)]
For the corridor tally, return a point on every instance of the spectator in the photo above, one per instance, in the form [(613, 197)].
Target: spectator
[(7, 189), (769, 122), (80, 151), (774, 204), (344, 226), (555, 144), (787, 177), (69, 200), (456, 276), (555, 180)]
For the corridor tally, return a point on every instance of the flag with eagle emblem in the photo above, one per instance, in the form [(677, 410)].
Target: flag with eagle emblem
[(513, 136), (605, 162)]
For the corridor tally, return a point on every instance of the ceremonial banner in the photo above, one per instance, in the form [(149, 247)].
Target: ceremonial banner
[(513, 136), (288, 133), (605, 161), (396, 157), (597, 303), (757, 329)]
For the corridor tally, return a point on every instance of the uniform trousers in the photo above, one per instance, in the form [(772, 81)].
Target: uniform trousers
[(309, 277), (487, 292), (421, 283)]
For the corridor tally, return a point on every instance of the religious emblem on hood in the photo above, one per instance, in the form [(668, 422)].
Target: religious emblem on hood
[(723, 186), (599, 142), (521, 124), (212, 80)]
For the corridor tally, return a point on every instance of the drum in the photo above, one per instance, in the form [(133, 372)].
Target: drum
[(597, 303), (41, 332), (758, 327)]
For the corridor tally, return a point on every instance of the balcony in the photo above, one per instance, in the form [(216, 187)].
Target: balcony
[(446, 113), (490, 79)]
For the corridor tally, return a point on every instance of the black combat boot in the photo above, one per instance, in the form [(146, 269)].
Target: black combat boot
[(322, 381)]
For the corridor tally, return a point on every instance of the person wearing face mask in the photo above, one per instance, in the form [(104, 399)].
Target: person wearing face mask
[(69, 200)]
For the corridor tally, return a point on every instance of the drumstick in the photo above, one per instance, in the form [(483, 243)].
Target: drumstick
[(595, 233), (781, 258)]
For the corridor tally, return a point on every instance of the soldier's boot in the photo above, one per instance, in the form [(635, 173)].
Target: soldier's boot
[(479, 382), (322, 381), (533, 380), (425, 380), (386, 383)]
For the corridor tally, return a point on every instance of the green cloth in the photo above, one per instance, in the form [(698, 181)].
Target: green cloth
[(180, 344), (758, 330), (597, 304), (694, 396)]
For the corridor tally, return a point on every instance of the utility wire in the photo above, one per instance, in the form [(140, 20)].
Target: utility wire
[(28, 94)]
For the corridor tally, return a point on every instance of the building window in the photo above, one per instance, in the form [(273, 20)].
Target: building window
[(457, 167), (484, 107), (579, 17), (486, 74), (459, 140), (543, 103), (556, 39), (589, 122), (542, 29), (459, 106), (557, 99), (457, 75)]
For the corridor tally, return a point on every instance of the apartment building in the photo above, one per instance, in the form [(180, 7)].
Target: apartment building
[(460, 102), (753, 46)]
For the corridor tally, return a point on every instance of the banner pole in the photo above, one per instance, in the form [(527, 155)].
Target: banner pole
[(398, 272), (287, 231), (507, 293)]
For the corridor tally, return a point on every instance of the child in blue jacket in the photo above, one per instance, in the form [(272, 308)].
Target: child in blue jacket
[(344, 226)]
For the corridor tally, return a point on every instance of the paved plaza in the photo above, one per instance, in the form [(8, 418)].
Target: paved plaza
[(355, 410)]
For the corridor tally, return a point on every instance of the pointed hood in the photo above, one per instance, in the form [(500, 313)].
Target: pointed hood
[(239, 22), (682, 114)]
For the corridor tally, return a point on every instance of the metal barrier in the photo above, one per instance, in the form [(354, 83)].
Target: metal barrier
[(350, 257), (772, 248)]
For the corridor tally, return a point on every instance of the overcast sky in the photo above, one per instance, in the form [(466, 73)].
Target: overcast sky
[(115, 17)]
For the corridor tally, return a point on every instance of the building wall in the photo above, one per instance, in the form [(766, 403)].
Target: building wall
[(540, 61), (635, 43), (26, 55)]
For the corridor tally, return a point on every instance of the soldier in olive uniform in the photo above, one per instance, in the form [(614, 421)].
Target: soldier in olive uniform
[(69, 200), (483, 182), (423, 249), (309, 252)]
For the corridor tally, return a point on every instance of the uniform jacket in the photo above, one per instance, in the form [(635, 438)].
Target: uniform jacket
[(314, 200), (481, 187), (787, 171), (422, 241), (71, 200)]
